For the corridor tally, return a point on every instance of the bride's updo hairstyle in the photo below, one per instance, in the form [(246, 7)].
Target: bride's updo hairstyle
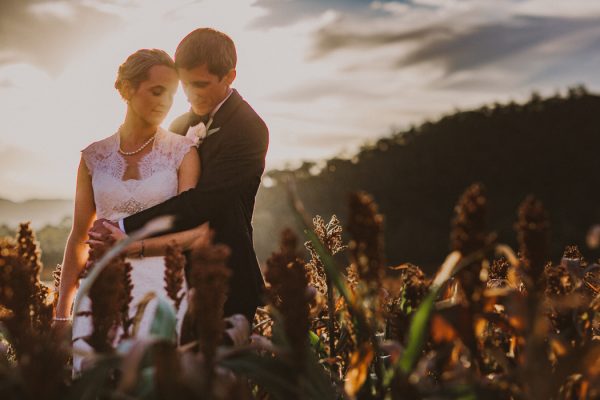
[(137, 67)]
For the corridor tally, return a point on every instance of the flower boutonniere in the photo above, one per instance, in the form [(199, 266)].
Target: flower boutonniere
[(200, 132)]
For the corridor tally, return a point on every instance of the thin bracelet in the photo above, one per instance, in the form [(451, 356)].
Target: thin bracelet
[(142, 249), (62, 319)]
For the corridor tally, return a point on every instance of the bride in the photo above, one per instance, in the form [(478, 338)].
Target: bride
[(137, 167)]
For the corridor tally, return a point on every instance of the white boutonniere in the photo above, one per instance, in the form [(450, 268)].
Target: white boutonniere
[(200, 132)]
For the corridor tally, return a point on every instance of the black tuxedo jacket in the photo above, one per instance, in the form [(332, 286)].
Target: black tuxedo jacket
[(232, 160)]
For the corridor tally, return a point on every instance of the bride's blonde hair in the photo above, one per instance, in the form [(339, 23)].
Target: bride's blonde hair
[(137, 66)]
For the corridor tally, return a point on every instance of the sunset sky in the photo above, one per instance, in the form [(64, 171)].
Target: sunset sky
[(326, 75)]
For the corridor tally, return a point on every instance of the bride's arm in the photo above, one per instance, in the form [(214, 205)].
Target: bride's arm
[(76, 251), (189, 171), (188, 175)]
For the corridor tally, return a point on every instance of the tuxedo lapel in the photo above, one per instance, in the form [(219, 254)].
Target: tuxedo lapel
[(213, 142), (224, 112)]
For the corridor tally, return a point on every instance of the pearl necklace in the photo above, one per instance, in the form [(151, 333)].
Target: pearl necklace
[(142, 147)]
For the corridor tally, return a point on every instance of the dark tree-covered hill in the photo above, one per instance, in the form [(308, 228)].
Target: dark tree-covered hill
[(547, 147)]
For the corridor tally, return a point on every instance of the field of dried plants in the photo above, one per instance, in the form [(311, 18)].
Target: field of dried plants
[(492, 323)]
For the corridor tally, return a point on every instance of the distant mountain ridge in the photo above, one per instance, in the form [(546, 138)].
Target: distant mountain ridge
[(39, 211)]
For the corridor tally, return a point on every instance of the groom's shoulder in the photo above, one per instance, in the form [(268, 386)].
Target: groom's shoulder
[(252, 127), (250, 118), (180, 124)]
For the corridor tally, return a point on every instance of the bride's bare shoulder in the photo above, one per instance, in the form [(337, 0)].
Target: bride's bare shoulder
[(101, 145)]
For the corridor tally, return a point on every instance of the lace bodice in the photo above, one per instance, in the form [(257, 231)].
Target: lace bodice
[(116, 198)]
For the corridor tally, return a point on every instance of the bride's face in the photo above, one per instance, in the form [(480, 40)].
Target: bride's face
[(152, 100)]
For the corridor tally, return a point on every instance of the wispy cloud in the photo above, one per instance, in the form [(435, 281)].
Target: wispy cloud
[(458, 40), (420, 58), (489, 44), (48, 33)]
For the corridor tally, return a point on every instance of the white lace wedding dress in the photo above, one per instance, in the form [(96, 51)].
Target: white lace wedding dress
[(116, 198)]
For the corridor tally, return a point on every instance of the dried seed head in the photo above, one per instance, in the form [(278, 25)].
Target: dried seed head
[(499, 269), (209, 280), (289, 293), (29, 250), (126, 321), (468, 235), (26, 300), (174, 272), (365, 226), (15, 295), (532, 234), (558, 280), (572, 253), (330, 235), (56, 278), (110, 298), (468, 232), (414, 286)]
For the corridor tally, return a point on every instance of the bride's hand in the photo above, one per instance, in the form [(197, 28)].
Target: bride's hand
[(100, 237), (116, 233)]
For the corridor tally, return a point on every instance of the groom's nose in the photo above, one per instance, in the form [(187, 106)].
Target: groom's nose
[(189, 90), (194, 98), (190, 95)]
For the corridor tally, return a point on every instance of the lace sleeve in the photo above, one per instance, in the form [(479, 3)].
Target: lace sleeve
[(98, 155), (180, 147), (87, 155)]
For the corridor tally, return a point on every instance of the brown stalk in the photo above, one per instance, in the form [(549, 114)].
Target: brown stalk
[(209, 277), (401, 306), (365, 226), (330, 235), (469, 235), (174, 272), (110, 298), (29, 251), (15, 296), (27, 317), (56, 278), (126, 320), (532, 235), (289, 294)]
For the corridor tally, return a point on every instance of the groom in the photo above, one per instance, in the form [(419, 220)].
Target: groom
[(232, 153)]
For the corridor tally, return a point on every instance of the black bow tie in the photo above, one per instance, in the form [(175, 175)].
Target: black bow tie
[(196, 119)]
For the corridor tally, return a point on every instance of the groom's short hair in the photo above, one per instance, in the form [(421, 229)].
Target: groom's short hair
[(207, 46)]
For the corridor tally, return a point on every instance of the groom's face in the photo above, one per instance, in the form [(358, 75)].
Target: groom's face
[(204, 90)]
